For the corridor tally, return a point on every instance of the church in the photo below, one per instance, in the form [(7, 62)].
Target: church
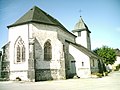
[(40, 48)]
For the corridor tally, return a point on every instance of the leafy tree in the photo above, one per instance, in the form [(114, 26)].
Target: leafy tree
[(108, 54)]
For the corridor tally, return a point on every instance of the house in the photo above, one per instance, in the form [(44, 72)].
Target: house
[(117, 62), (41, 48)]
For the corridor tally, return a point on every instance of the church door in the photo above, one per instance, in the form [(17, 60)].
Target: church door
[(73, 67)]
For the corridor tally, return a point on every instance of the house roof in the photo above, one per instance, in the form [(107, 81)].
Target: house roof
[(117, 51), (84, 50), (80, 26), (37, 15)]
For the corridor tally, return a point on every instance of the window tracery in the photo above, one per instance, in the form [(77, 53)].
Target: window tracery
[(19, 51), (47, 51)]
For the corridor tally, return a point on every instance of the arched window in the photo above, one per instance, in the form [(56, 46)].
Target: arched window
[(19, 51), (47, 51)]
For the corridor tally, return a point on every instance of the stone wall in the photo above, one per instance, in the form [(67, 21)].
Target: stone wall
[(0, 62), (94, 65), (64, 35), (46, 74), (5, 64), (45, 70)]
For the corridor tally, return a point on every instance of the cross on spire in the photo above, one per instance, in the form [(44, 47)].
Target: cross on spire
[(80, 11)]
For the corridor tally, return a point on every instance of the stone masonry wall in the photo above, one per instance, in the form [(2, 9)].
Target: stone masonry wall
[(46, 74), (55, 68)]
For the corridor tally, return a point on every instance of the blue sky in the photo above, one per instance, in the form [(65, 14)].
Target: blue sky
[(101, 16)]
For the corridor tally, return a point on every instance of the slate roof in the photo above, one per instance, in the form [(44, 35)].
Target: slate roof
[(84, 50), (37, 15), (80, 26)]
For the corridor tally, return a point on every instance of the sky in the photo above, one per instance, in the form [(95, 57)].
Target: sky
[(101, 16)]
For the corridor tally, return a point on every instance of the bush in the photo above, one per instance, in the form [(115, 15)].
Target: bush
[(99, 75), (117, 68), (106, 73)]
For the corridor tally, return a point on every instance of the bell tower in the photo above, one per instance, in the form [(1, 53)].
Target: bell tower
[(83, 34)]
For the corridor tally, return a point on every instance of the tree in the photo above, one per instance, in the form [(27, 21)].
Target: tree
[(108, 54)]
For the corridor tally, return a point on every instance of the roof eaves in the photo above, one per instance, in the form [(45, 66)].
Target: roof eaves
[(39, 23), (18, 24), (85, 49), (77, 30)]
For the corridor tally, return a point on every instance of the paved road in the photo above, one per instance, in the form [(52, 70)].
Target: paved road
[(111, 82)]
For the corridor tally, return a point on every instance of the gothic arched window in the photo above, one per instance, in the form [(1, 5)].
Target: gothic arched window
[(47, 51), (19, 51)]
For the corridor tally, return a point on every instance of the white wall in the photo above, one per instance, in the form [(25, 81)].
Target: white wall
[(14, 33), (82, 71), (82, 40), (117, 62)]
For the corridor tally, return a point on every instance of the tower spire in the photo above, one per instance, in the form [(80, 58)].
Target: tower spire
[(83, 34)]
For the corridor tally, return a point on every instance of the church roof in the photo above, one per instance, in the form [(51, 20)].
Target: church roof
[(37, 15), (83, 49), (80, 26)]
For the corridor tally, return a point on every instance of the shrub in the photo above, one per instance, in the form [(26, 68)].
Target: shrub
[(99, 75), (117, 67), (106, 73)]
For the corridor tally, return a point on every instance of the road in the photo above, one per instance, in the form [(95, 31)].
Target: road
[(111, 82)]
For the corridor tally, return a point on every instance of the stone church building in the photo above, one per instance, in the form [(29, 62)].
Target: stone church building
[(40, 48)]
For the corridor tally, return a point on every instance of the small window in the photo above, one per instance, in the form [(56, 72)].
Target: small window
[(79, 33), (82, 63)]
